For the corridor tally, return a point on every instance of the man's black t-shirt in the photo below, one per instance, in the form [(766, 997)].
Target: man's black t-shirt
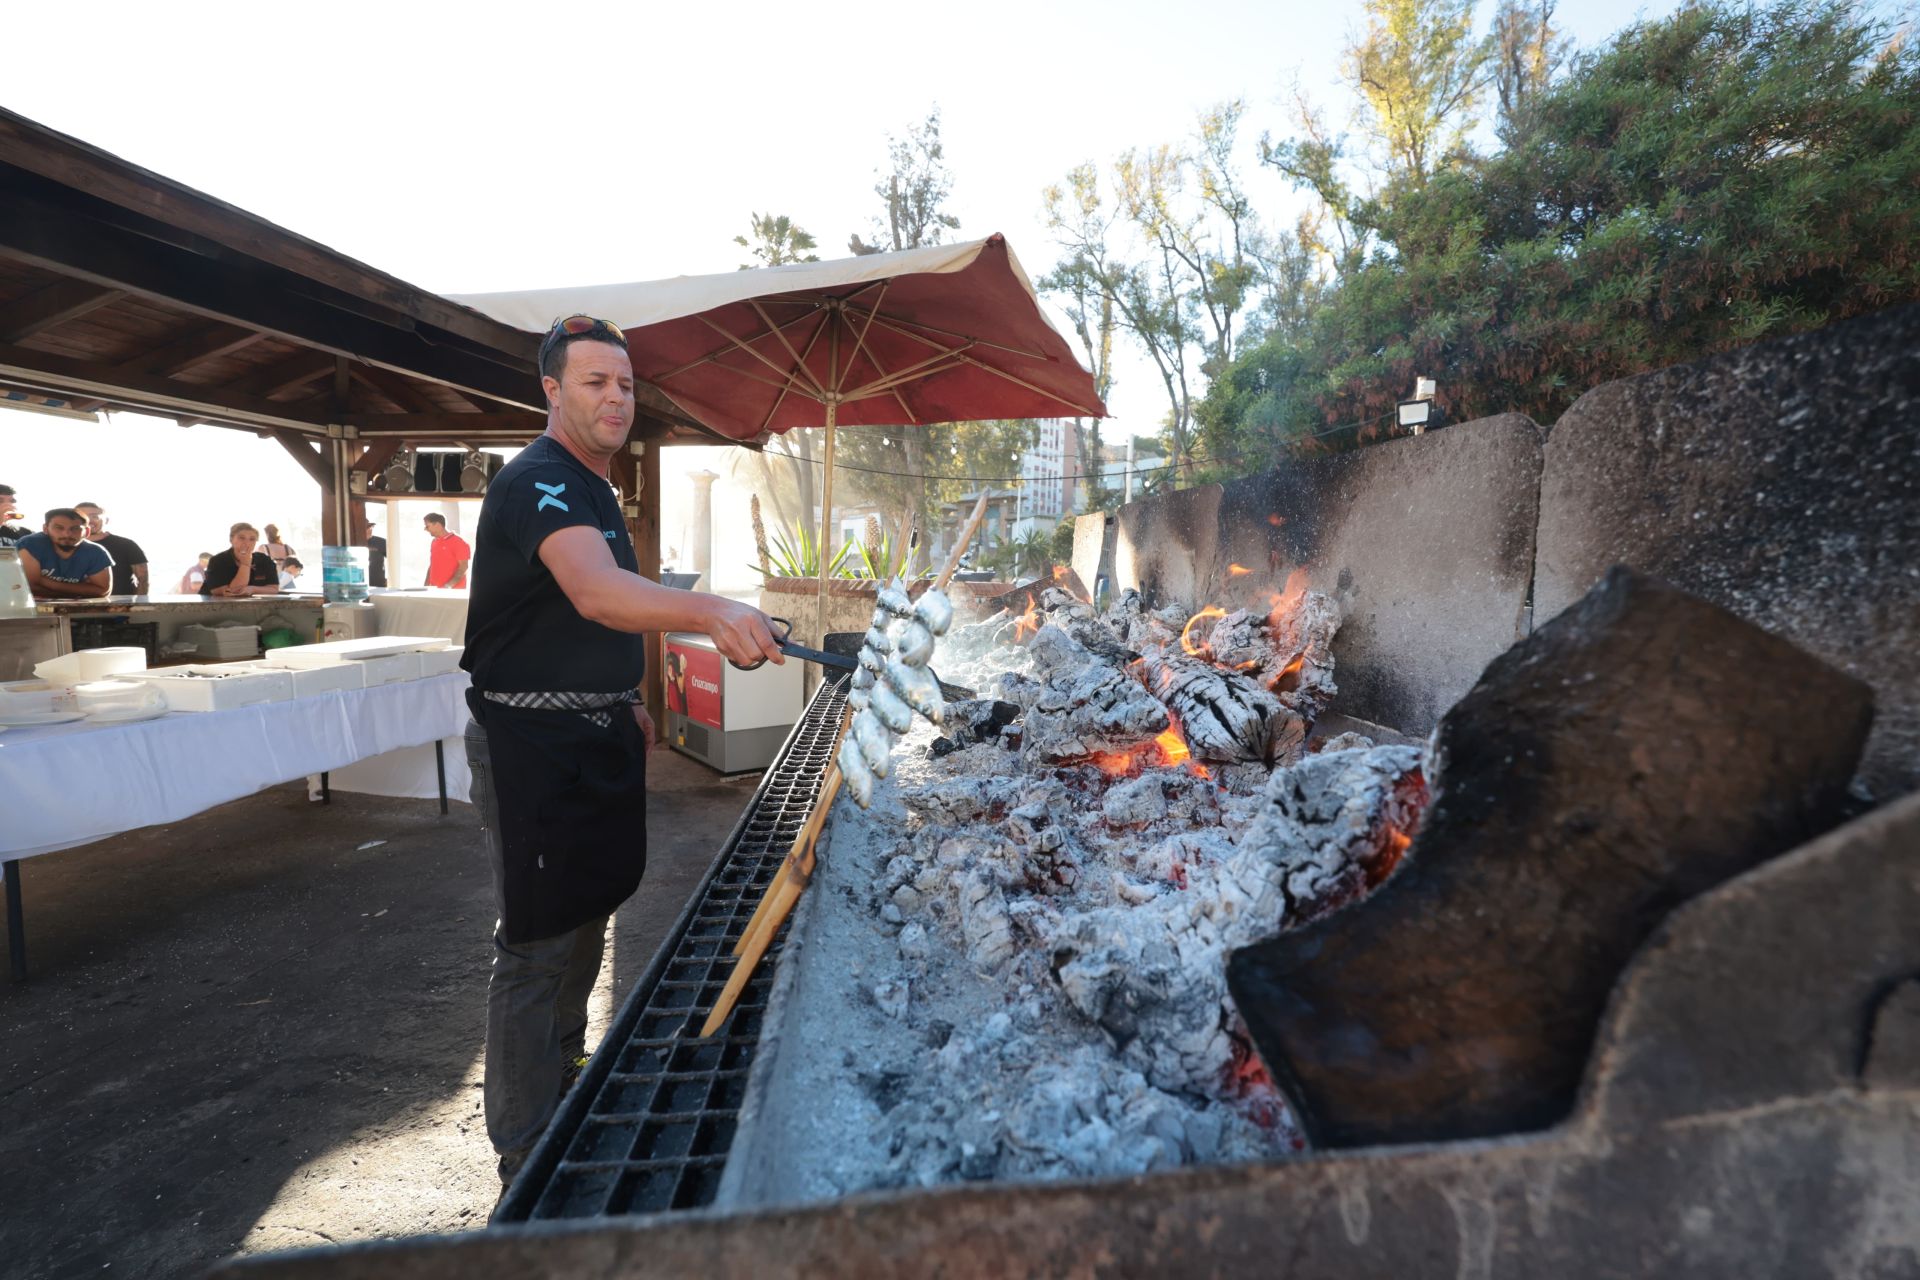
[(10, 534), (224, 567), (523, 634), (126, 553)]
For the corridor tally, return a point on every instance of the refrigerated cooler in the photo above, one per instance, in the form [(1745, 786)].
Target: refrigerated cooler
[(730, 719)]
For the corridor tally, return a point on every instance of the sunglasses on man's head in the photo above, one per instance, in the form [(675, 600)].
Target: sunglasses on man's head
[(574, 325)]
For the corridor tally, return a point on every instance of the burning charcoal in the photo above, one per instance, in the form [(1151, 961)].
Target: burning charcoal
[(1084, 705), (1223, 715), (1332, 827), (1637, 750), (1302, 641)]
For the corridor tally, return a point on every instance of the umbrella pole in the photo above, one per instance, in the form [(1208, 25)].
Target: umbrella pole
[(826, 524)]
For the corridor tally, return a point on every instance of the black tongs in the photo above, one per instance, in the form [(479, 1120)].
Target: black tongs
[(782, 629)]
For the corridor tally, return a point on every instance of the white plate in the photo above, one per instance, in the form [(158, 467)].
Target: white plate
[(25, 719), (128, 717)]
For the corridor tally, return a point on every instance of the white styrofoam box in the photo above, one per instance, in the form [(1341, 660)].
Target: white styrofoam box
[(440, 662), (34, 697), (389, 668), (308, 681), (363, 648), (217, 688), (223, 640)]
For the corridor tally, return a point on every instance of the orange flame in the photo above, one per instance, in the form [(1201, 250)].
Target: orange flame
[(1237, 570), (1287, 599), (1288, 673), (1027, 623), (1198, 650)]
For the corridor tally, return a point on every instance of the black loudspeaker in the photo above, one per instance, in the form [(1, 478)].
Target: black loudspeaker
[(450, 464), (426, 473)]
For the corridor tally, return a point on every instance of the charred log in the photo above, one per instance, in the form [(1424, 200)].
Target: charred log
[(1639, 749)]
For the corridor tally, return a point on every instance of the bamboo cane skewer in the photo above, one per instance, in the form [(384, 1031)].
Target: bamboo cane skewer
[(828, 780), (778, 905), (796, 870)]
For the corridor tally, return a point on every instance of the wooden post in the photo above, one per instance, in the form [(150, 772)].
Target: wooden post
[(642, 494)]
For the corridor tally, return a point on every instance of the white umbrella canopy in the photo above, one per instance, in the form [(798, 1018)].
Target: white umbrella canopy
[(945, 333)]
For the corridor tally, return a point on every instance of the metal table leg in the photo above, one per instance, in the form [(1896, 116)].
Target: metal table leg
[(16, 931), (440, 767), (326, 792)]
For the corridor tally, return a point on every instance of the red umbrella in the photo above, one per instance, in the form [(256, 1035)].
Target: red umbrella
[(941, 334)]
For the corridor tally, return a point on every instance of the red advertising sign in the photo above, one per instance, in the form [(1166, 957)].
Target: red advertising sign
[(693, 683)]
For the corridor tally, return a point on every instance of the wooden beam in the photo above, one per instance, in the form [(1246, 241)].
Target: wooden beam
[(399, 389), (52, 306), (644, 529), (81, 379), (282, 376), (303, 450), (442, 423), (74, 164), (196, 348), (376, 456), (63, 231)]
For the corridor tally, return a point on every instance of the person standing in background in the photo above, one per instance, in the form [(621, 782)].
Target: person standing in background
[(129, 561), (190, 580), (376, 554), (448, 560), (275, 549), (290, 573)]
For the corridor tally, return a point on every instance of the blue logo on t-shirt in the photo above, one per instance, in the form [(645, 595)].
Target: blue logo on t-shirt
[(551, 499)]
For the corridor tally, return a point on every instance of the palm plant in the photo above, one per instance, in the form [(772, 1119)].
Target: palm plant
[(799, 557)]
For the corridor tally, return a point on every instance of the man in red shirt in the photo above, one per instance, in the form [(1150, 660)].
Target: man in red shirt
[(447, 562)]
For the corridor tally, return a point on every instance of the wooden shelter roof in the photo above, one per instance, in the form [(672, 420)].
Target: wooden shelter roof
[(122, 288)]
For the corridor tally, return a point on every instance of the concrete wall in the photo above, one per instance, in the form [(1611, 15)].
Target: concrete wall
[(1426, 542), (1781, 481)]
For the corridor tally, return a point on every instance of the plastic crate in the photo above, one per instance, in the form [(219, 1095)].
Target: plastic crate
[(109, 633)]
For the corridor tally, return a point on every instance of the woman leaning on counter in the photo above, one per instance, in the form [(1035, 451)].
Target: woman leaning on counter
[(223, 571)]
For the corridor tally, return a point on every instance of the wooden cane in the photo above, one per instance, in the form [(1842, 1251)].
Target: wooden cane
[(960, 544), (778, 906), (830, 778)]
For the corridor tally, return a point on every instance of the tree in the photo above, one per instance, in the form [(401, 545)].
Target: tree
[(776, 241), (1701, 182), (1168, 244), (914, 189), (1528, 51), (1421, 72)]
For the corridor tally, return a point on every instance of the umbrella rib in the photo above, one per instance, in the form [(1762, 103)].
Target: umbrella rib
[(859, 340), (716, 354), (1078, 410), (894, 323), (782, 397), (912, 373), (799, 365)]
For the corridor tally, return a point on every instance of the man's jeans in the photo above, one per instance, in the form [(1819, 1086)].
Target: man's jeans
[(536, 1000)]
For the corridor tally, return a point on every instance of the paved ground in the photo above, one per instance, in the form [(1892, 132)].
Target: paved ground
[(260, 1029)]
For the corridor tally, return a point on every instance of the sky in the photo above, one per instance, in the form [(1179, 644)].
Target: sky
[(480, 147)]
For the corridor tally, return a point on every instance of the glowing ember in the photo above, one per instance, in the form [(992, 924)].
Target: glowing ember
[(1289, 675), (1237, 570), (1199, 650)]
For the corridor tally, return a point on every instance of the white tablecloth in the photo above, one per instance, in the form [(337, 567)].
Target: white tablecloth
[(71, 784)]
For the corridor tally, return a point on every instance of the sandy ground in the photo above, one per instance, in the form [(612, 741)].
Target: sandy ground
[(261, 1028)]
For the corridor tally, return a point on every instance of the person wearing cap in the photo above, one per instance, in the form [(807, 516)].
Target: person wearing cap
[(559, 740)]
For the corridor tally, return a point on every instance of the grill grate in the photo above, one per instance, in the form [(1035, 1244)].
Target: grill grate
[(648, 1127)]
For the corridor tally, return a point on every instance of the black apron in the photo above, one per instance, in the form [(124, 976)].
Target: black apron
[(573, 814)]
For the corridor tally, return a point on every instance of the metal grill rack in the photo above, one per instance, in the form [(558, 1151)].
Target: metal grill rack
[(648, 1127)]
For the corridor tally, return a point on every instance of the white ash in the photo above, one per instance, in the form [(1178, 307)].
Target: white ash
[(1015, 963)]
